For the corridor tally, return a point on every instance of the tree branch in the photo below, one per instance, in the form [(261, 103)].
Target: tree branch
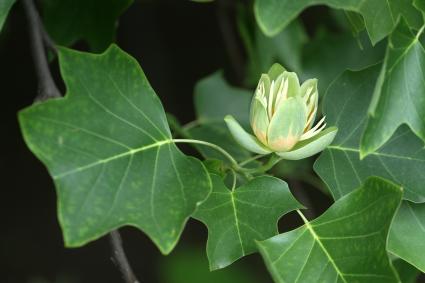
[(47, 89), (120, 257), (46, 84)]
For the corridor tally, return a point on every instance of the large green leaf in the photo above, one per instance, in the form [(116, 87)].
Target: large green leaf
[(401, 159), (94, 21), (399, 94), (215, 98), (407, 234), (109, 150), (345, 244), (235, 219), (5, 6), (380, 16)]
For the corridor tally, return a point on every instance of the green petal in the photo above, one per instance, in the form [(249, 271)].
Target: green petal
[(243, 138), (306, 85), (294, 84), (310, 146), (259, 121), (303, 91), (258, 113), (287, 124), (275, 71), (255, 98)]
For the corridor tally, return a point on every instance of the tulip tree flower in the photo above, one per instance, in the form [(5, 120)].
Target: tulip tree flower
[(282, 117)]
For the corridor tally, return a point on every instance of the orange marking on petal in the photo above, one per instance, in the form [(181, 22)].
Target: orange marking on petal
[(283, 144)]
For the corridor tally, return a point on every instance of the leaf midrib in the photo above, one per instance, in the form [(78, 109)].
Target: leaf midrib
[(235, 214), (111, 158), (317, 239), (335, 147)]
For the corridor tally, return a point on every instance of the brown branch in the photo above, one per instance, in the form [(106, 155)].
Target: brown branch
[(46, 84), (120, 257)]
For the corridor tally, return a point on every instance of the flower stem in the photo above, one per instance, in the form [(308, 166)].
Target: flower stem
[(249, 160), (269, 165), (234, 163), (234, 179)]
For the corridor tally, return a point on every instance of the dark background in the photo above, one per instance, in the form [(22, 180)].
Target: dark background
[(177, 43)]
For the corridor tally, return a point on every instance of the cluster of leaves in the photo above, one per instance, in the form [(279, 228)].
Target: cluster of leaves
[(114, 160)]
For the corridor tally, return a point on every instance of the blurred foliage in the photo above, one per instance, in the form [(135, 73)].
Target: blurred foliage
[(189, 264)]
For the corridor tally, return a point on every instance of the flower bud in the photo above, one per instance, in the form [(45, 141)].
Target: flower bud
[(282, 116)]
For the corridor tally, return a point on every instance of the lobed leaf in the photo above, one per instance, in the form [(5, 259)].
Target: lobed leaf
[(235, 219), (401, 159), (108, 147), (398, 97), (345, 244)]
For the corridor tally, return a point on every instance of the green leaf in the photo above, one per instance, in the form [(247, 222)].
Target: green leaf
[(345, 244), (215, 98), (398, 97), (328, 55), (380, 16), (5, 6), (407, 234), (94, 21), (109, 150), (235, 219), (401, 159)]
